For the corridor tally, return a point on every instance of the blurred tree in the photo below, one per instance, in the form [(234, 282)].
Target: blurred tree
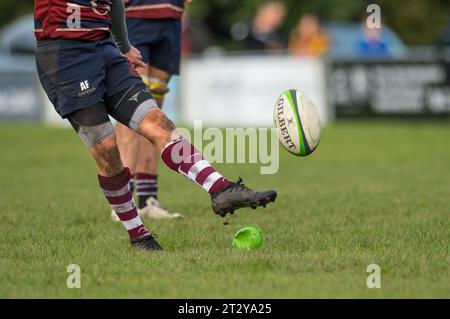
[(11, 9), (416, 21)]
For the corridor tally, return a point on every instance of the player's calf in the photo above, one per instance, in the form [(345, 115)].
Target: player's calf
[(107, 157), (97, 133)]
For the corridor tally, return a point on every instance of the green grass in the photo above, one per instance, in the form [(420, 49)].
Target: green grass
[(372, 193)]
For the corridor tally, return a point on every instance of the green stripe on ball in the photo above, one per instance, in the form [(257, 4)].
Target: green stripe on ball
[(297, 120)]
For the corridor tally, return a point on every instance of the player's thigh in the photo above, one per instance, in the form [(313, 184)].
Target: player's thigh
[(136, 108), (120, 74), (128, 99), (131, 105), (72, 73)]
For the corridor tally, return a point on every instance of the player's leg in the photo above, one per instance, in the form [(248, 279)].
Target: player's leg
[(73, 75), (148, 156), (182, 157), (96, 131), (159, 41), (128, 140), (142, 115), (141, 157)]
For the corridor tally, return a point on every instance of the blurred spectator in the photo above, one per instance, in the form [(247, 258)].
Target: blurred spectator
[(372, 43), (442, 40), (195, 36), (308, 38), (263, 34), (443, 45)]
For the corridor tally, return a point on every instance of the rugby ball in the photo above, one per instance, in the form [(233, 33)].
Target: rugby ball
[(297, 123)]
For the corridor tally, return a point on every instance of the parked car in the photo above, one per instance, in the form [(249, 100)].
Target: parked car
[(345, 38), (20, 95)]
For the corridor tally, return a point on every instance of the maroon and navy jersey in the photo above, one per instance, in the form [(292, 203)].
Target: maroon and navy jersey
[(154, 9), (72, 19)]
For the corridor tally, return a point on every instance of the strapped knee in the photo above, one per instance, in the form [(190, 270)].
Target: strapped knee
[(94, 135), (92, 124)]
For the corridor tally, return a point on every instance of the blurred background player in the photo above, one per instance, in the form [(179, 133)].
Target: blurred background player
[(154, 28)]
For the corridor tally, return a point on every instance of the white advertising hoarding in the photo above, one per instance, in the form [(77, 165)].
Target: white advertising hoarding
[(241, 91)]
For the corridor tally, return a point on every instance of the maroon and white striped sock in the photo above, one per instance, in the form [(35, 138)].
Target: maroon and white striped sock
[(146, 187), (182, 157), (117, 191)]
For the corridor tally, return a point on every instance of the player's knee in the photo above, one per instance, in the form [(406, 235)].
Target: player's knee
[(159, 121), (94, 136), (92, 125), (107, 145), (157, 125), (158, 128)]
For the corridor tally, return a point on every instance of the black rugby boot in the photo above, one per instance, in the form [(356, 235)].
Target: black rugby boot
[(237, 195), (147, 242)]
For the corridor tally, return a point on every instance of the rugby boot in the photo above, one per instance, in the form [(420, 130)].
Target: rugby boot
[(147, 242), (237, 195)]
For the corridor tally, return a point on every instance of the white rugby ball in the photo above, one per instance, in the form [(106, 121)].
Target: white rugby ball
[(297, 123)]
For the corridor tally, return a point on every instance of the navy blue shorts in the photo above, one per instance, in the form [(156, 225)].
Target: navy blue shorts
[(159, 41), (79, 74)]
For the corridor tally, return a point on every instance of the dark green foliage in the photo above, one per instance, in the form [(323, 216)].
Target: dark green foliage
[(416, 21)]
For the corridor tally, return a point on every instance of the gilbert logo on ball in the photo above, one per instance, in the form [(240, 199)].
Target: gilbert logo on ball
[(248, 238), (297, 123)]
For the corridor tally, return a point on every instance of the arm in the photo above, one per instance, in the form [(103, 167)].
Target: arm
[(120, 34), (119, 29)]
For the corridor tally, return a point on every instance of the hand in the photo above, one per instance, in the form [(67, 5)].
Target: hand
[(135, 58), (126, 1)]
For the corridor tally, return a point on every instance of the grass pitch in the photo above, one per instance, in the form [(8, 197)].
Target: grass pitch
[(372, 193)]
